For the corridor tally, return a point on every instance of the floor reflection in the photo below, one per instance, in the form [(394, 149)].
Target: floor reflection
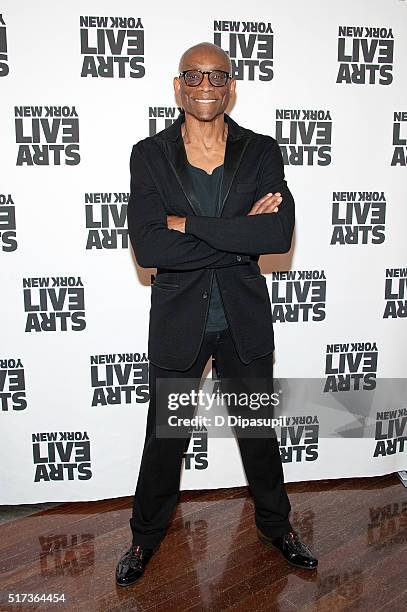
[(66, 555), (212, 559)]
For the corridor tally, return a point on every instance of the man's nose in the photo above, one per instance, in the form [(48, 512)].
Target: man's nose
[(206, 82)]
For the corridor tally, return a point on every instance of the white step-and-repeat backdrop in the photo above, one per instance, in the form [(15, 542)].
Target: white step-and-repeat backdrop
[(81, 83)]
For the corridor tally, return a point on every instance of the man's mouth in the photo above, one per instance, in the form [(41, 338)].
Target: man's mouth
[(204, 101)]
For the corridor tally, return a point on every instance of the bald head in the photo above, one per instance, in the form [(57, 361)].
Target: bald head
[(204, 101), (202, 53)]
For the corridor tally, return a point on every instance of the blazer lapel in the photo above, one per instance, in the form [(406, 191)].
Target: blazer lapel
[(174, 150), (235, 148), (177, 157)]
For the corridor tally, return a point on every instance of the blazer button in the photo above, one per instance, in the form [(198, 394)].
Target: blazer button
[(205, 295), (238, 258)]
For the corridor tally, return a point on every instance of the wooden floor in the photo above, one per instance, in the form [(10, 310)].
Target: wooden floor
[(211, 558)]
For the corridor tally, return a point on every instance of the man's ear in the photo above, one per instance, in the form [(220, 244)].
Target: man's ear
[(177, 91)]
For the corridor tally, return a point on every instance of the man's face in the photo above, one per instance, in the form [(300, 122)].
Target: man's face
[(191, 97)]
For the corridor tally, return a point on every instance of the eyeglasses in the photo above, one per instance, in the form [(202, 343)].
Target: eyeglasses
[(217, 78)]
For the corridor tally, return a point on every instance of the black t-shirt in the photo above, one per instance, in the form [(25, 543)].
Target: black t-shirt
[(207, 188)]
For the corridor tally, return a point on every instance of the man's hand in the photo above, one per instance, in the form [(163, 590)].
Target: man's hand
[(176, 223), (267, 204)]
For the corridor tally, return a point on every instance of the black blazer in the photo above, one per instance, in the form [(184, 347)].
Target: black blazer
[(228, 245)]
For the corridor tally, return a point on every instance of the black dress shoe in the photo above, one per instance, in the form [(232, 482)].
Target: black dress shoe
[(292, 549), (132, 564)]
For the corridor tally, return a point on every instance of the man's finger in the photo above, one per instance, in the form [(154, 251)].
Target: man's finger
[(259, 205), (267, 206), (259, 202)]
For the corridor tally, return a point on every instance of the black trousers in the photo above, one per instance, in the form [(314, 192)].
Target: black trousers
[(158, 485)]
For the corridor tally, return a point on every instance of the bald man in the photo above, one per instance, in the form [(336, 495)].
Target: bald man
[(208, 197)]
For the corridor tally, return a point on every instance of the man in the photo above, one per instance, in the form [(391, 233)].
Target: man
[(207, 198)]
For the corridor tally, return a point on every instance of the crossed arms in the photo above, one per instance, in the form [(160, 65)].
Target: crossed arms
[(208, 242)]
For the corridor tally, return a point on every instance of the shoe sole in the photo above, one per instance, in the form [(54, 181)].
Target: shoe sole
[(268, 543), (129, 583)]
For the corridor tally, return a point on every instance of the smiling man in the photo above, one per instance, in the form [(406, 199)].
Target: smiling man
[(208, 197)]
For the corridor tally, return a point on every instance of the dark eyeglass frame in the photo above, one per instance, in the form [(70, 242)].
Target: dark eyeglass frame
[(203, 72)]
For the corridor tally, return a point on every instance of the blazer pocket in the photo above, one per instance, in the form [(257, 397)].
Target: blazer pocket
[(245, 187), (166, 286), (250, 277), (166, 280)]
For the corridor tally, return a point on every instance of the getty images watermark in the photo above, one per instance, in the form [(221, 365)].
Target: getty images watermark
[(215, 399), (299, 410), (249, 406)]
